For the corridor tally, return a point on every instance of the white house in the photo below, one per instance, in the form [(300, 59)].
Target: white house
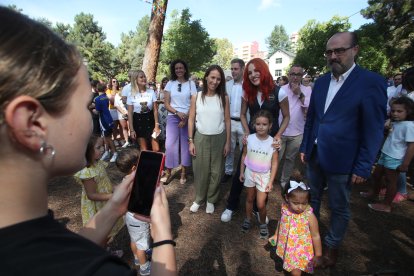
[(279, 62)]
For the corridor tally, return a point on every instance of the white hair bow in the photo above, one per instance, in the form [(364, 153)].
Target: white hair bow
[(294, 185)]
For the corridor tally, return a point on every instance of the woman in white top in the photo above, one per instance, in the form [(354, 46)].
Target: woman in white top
[(177, 96), (143, 112), (210, 113)]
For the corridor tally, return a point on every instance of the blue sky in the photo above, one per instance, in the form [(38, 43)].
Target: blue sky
[(239, 21)]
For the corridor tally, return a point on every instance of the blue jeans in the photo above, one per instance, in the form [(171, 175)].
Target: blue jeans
[(339, 192)]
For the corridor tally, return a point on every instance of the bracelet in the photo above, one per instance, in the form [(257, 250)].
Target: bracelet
[(155, 244)]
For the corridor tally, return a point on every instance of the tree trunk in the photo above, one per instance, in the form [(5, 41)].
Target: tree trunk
[(153, 47)]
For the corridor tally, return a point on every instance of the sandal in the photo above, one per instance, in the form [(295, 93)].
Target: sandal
[(246, 226), (380, 207), (166, 178), (183, 180), (264, 232)]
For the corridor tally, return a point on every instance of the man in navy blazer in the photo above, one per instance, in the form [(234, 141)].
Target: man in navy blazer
[(343, 134)]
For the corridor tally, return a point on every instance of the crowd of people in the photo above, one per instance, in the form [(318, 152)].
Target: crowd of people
[(338, 134)]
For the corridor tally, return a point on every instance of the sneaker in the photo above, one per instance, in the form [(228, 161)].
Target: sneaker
[(399, 198), (126, 144), (380, 207), (194, 207), (116, 143), (210, 208), (257, 216), (148, 252), (264, 232), (226, 216), (105, 156), (146, 271), (225, 178), (114, 157), (246, 225)]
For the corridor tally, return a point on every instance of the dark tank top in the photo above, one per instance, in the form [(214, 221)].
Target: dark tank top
[(272, 105)]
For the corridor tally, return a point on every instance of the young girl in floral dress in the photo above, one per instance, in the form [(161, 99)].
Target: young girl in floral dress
[(297, 238), (96, 185)]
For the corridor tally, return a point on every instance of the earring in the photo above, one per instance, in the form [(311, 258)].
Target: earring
[(47, 149)]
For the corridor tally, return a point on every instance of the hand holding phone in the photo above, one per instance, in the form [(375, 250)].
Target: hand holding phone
[(149, 168)]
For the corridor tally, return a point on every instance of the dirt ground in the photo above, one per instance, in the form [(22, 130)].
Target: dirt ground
[(374, 243)]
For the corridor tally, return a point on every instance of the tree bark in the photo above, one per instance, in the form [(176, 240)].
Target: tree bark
[(155, 32)]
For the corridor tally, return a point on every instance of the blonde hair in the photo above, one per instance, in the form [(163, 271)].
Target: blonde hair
[(35, 62), (134, 85)]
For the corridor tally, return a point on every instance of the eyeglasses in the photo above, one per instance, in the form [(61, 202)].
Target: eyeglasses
[(337, 51), (179, 87), (295, 74)]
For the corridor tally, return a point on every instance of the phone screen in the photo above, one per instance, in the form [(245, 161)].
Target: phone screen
[(149, 168)]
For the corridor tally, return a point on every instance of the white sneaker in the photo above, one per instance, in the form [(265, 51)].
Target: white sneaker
[(210, 208), (114, 157), (105, 155), (126, 144), (226, 216), (256, 214), (194, 207)]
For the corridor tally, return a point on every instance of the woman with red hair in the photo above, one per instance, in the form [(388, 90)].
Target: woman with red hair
[(259, 93)]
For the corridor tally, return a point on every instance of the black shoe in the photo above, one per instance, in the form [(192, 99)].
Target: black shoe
[(226, 178)]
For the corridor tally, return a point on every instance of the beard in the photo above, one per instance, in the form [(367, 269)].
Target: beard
[(337, 67)]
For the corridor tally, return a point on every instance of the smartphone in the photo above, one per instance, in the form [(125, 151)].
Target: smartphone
[(147, 178), (155, 135)]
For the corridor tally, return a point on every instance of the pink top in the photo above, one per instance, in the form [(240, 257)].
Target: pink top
[(297, 116)]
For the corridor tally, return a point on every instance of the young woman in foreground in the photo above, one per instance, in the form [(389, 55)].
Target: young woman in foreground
[(45, 126)]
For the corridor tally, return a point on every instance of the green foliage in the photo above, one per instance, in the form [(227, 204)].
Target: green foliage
[(62, 29), (224, 53), (371, 49), (312, 42), (132, 48), (97, 53), (187, 40), (45, 22), (395, 22), (15, 8), (278, 39)]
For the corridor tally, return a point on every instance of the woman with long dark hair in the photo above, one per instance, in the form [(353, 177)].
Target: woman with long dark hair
[(177, 101), (210, 118)]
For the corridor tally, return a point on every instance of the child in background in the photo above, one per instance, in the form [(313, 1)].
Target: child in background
[(396, 153), (122, 118), (139, 231), (96, 186), (258, 169), (105, 120), (297, 238)]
